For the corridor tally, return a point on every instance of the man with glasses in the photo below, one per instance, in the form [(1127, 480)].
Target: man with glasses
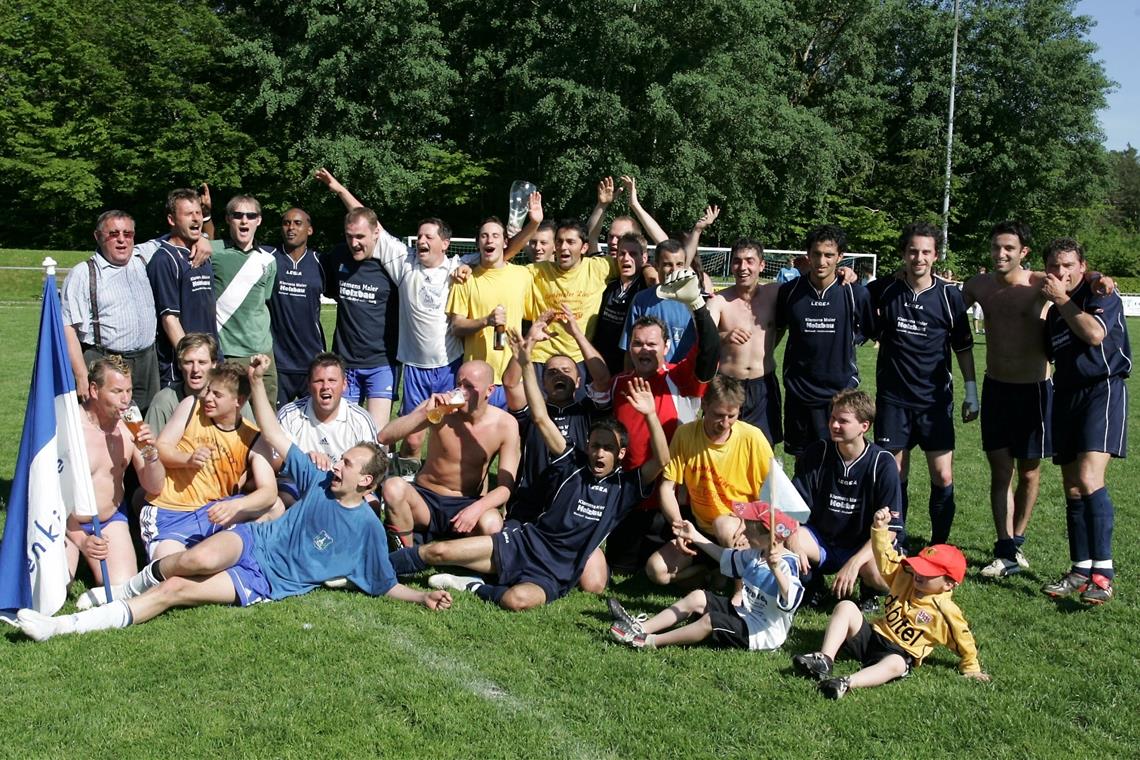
[(244, 274)]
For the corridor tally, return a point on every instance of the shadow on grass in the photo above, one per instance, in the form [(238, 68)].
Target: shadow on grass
[(5, 492)]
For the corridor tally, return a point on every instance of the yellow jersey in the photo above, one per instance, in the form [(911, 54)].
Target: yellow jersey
[(580, 288), (507, 286)]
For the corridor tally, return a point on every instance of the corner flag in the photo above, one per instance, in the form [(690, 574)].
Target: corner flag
[(779, 491), (52, 478)]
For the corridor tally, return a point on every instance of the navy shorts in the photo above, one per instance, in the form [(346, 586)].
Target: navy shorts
[(370, 382), (290, 386), (1094, 418), (868, 646), (250, 584), (804, 424), (1016, 416), (120, 515), (762, 406), (421, 382), (728, 629), (442, 509), (519, 560), (899, 428), (831, 558)]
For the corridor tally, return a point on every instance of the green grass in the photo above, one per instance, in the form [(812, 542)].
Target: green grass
[(333, 673)]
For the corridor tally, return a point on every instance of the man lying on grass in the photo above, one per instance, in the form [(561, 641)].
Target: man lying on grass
[(588, 493), (329, 533)]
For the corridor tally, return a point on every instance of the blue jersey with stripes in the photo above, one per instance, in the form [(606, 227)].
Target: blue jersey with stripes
[(295, 310), (1078, 364)]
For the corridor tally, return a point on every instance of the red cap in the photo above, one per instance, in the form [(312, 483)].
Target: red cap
[(939, 559), (759, 511)]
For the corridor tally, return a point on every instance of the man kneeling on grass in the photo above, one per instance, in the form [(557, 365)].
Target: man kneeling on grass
[(588, 493), (329, 533), (772, 591), (919, 614)]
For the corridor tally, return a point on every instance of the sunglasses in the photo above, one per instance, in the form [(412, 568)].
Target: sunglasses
[(245, 215)]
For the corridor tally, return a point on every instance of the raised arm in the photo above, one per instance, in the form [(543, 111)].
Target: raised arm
[(271, 431), (640, 396), (551, 436), (1084, 326), (325, 177), (519, 241), (652, 229), (594, 223), (710, 215), (595, 364), (683, 286), (167, 444)]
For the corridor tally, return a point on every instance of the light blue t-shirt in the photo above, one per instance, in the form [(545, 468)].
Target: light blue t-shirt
[(676, 316), (319, 539)]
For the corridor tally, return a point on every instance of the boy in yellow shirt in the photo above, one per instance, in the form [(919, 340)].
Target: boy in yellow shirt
[(919, 614)]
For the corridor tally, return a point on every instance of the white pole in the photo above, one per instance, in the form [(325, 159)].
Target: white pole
[(49, 265), (950, 137)]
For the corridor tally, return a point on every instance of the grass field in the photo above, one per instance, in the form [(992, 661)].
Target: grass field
[(335, 673)]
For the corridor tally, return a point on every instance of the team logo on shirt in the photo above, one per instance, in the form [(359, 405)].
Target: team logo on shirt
[(322, 540), (923, 617)]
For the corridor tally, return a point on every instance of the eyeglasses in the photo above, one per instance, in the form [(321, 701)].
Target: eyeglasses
[(119, 234), (245, 214)]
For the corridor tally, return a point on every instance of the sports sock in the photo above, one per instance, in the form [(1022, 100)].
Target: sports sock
[(113, 615), (905, 505), (1103, 567), (1019, 541), (407, 561), (1084, 567), (1099, 517), (1075, 519), (1005, 548), (942, 510), (489, 593), (147, 579)]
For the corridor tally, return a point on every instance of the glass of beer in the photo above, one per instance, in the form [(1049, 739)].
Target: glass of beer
[(456, 400), (134, 420)]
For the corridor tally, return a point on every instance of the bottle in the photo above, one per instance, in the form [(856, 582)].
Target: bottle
[(500, 335)]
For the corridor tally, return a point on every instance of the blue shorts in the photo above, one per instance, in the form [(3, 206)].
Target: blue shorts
[(499, 398), (187, 528), (442, 509), (804, 424), (1094, 418), (370, 382), (1016, 416), (831, 558), (421, 382), (900, 428), (120, 515), (250, 584), (762, 406), (521, 561)]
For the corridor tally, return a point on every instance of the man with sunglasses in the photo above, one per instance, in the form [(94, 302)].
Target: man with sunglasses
[(244, 274)]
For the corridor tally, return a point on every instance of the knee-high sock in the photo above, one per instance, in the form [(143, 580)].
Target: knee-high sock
[(1075, 519), (1099, 518), (114, 615), (490, 593), (144, 581), (942, 510), (407, 561)]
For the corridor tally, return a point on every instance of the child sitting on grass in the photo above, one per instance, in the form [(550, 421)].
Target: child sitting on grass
[(770, 595), (919, 614)]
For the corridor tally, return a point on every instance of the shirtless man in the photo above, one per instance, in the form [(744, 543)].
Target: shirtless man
[(445, 500), (745, 315), (1017, 394), (110, 448)]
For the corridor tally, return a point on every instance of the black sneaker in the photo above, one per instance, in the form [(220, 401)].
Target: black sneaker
[(627, 622), (816, 665), (1069, 584), (835, 688), (870, 602)]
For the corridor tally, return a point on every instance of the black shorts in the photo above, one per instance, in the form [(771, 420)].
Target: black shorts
[(442, 509), (762, 406), (868, 646), (728, 629), (1016, 416), (804, 424), (517, 562), (1094, 418), (900, 428)]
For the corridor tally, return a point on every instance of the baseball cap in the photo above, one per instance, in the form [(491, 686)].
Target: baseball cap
[(939, 559), (760, 511)]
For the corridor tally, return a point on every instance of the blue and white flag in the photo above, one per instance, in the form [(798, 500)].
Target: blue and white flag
[(52, 479)]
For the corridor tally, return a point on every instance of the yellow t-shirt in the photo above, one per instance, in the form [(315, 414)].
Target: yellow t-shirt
[(186, 490), (507, 286), (716, 475), (581, 288)]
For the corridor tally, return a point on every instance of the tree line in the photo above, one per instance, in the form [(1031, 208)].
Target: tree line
[(783, 113)]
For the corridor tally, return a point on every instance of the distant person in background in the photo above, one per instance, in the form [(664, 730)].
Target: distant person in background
[(977, 316)]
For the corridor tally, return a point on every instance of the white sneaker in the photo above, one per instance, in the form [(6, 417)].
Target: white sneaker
[(97, 597), (36, 625), (341, 582), (455, 582), (1000, 568), (1022, 562)]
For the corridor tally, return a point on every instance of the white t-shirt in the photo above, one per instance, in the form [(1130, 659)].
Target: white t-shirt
[(768, 620), (425, 338), (351, 425)]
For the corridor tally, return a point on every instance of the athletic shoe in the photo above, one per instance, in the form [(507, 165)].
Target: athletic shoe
[(1000, 568), (816, 665), (870, 602), (1021, 560), (1098, 591), (97, 597), (835, 688), (628, 622), (644, 641), (36, 625), (455, 582), (624, 633), (1070, 583)]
